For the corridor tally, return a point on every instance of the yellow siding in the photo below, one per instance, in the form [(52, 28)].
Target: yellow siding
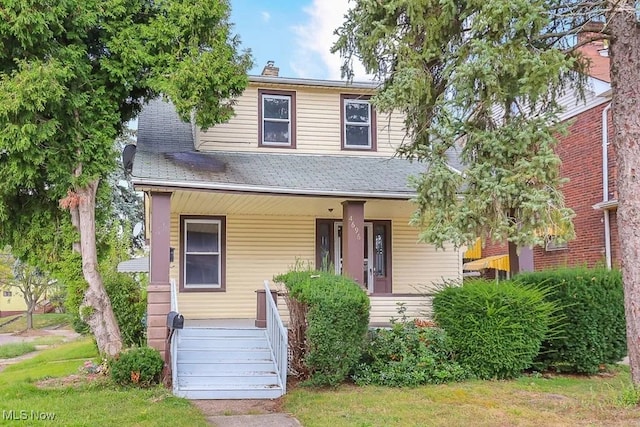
[(383, 309), (317, 122), (418, 267), (261, 246), (257, 249), (13, 303)]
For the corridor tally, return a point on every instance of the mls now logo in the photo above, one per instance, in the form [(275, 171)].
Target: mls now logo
[(24, 415)]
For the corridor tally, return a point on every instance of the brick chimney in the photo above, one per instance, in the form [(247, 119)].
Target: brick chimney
[(595, 48), (270, 69)]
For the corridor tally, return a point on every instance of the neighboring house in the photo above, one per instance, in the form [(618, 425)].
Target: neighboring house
[(588, 163), (11, 303), (304, 174)]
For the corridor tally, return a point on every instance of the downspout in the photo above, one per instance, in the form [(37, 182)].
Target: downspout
[(605, 184)]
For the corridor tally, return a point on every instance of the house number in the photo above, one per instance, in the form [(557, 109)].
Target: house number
[(355, 228)]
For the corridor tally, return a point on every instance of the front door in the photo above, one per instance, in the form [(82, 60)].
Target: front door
[(376, 249)]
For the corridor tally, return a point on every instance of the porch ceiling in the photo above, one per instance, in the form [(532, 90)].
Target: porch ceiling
[(208, 203)]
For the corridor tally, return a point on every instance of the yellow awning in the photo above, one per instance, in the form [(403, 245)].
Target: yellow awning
[(499, 262), (475, 251)]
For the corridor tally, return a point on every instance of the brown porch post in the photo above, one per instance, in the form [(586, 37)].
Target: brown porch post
[(159, 290), (353, 240)]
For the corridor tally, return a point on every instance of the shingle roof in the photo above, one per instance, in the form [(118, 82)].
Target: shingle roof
[(165, 157), (282, 173), (160, 130)]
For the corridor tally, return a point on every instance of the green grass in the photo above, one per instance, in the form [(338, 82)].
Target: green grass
[(16, 349), (88, 404), (527, 401), (48, 340), (39, 321)]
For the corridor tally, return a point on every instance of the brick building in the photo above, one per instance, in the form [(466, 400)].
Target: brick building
[(585, 153)]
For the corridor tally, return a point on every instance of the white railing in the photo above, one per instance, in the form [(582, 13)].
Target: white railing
[(277, 336), (174, 296), (174, 339)]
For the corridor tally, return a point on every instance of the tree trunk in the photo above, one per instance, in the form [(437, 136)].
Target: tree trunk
[(96, 306), (29, 315), (625, 63), (514, 260)]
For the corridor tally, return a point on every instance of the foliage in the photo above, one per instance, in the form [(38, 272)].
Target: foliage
[(16, 349), (408, 355), (476, 80), (127, 296), (590, 330), (139, 366), (129, 303), (72, 75), (495, 329), (336, 318), (31, 282)]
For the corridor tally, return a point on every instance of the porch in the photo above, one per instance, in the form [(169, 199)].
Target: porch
[(235, 359)]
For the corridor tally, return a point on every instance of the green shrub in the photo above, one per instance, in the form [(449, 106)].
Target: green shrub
[(128, 300), (495, 329), (591, 329), (335, 311), (139, 366), (408, 355), (129, 303)]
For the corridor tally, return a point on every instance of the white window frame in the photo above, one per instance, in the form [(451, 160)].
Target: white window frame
[(186, 252), (265, 119), (346, 102)]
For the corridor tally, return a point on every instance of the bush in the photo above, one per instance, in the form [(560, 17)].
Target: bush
[(129, 303), (335, 311), (140, 366), (495, 329), (591, 329), (127, 298), (408, 355)]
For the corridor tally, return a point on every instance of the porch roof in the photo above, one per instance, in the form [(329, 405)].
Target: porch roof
[(277, 173), (165, 158)]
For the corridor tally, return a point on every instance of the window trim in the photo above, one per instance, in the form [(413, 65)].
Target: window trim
[(292, 117), (221, 221), (344, 100)]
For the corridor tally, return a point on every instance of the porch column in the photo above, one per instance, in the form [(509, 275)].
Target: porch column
[(159, 290), (353, 240)]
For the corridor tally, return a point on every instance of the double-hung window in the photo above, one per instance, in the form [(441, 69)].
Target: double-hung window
[(358, 123), (277, 118), (203, 259)]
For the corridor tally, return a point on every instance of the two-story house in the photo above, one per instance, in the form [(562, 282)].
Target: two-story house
[(305, 173)]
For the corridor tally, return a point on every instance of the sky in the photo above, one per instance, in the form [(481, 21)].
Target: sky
[(296, 34)]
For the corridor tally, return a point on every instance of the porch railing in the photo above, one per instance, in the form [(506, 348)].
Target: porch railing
[(174, 339), (277, 336)]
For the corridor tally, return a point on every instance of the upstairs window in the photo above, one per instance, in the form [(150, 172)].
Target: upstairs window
[(358, 123), (276, 110)]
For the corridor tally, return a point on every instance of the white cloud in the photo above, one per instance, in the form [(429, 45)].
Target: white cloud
[(315, 37), (266, 16)]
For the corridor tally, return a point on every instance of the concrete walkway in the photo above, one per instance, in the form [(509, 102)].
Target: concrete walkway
[(245, 413), (259, 420)]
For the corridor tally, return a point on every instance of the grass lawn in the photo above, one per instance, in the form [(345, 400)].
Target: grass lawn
[(528, 401), (16, 349), (39, 321), (87, 403)]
